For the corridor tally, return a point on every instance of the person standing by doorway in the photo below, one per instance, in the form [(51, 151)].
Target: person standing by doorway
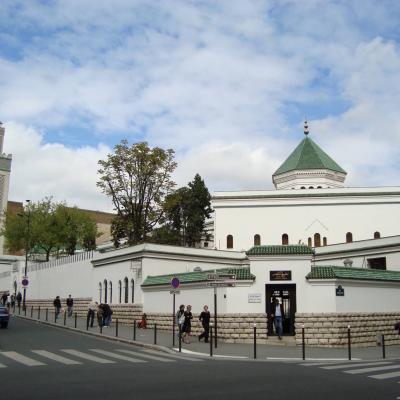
[(205, 321), (70, 305), (277, 315)]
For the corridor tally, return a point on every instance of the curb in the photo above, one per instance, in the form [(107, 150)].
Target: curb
[(99, 335)]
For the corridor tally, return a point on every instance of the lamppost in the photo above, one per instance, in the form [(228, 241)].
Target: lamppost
[(27, 237)]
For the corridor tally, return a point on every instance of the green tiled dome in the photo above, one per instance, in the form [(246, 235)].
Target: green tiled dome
[(279, 249)]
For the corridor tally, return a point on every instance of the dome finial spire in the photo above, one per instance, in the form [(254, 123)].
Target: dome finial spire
[(306, 131)]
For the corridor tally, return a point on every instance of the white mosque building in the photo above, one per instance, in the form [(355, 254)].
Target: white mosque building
[(329, 253)]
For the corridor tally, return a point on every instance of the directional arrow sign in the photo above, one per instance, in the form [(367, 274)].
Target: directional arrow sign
[(220, 284), (220, 277)]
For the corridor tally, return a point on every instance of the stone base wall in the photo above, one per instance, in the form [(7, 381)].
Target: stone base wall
[(330, 329), (231, 327)]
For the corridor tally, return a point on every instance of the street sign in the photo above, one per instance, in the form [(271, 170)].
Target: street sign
[(220, 277), (25, 282), (175, 282), (175, 292), (220, 284)]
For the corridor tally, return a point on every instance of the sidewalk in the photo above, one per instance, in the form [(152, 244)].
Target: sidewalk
[(264, 351)]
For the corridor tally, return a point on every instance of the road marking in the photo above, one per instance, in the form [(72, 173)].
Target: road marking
[(56, 357), (3, 366), (386, 376), (176, 357), (140, 354), (13, 355), (320, 361), (86, 356), (344, 366), (117, 356), (366, 370)]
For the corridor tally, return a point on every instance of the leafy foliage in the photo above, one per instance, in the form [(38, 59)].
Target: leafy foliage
[(137, 178)]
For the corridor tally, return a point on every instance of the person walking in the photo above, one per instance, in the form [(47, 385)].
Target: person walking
[(92, 309), (180, 318), (205, 321), (99, 314), (107, 313), (57, 306), (4, 298), (13, 301), (70, 305), (19, 299), (277, 315), (187, 325)]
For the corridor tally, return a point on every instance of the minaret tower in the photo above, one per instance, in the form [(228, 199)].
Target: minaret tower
[(5, 170)]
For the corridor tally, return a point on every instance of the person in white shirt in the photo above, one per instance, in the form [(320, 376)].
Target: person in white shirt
[(277, 315)]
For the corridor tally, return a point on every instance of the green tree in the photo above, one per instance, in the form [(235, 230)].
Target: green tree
[(137, 178), (53, 228), (186, 211)]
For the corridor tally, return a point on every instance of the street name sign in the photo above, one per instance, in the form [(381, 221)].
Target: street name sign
[(220, 277), (175, 291), (220, 284)]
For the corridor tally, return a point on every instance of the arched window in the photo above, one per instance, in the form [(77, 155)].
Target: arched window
[(303, 187), (132, 291), (317, 240), (110, 289), (126, 290), (100, 292), (229, 242), (119, 292), (105, 291), (319, 187), (325, 241), (311, 187), (285, 239), (377, 235), (257, 240), (349, 237), (309, 242)]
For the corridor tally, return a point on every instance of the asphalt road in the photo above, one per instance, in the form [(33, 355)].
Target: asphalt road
[(41, 362)]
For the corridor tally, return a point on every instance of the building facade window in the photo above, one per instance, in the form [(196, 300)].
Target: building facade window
[(110, 291), (105, 290), (317, 240), (126, 290), (205, 244), (285, 239), (325, 241), (377, 235), (132, 291), (257, 240), (119, 292), (377, 263), (100, 293), (349, 237), (229, 242), (309, 242)]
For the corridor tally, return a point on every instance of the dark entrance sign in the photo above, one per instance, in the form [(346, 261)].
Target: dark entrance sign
[(280, 275), (339, 291)]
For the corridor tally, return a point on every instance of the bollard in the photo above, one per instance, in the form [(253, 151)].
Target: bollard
[(24, 308), (180, 338), (155, 333), (19, 309), (32, 312), (87, 322), (303, 342), (101, 327), (38, 314), (55, 316), (211, 340), (47, 314), (383, 347), (349, 341), (255, 340), (134, 329), (14, 308), (76, 317), (65, 317), (116, 327)]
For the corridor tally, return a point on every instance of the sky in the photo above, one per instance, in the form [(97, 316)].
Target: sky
[(226, 84)]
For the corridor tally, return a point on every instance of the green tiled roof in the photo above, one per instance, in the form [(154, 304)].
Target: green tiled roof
[(198, 276), (279, 249), (334, 272), (308, 155)]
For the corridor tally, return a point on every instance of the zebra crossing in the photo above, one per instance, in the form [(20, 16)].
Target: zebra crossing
[(380, 370), (70, 357)]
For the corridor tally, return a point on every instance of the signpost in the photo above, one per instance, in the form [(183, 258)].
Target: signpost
[(25, 282), (175, 285), (219, 280)]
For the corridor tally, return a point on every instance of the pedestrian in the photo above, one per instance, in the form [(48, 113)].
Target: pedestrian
[(99, 314), (13, 301), (180, 318), (277, 315), (92, 309), (107, 313), (19, 299), (143, 323), (187, 325), (205, 321), (4, 298), (57, 306), (70, 305)]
